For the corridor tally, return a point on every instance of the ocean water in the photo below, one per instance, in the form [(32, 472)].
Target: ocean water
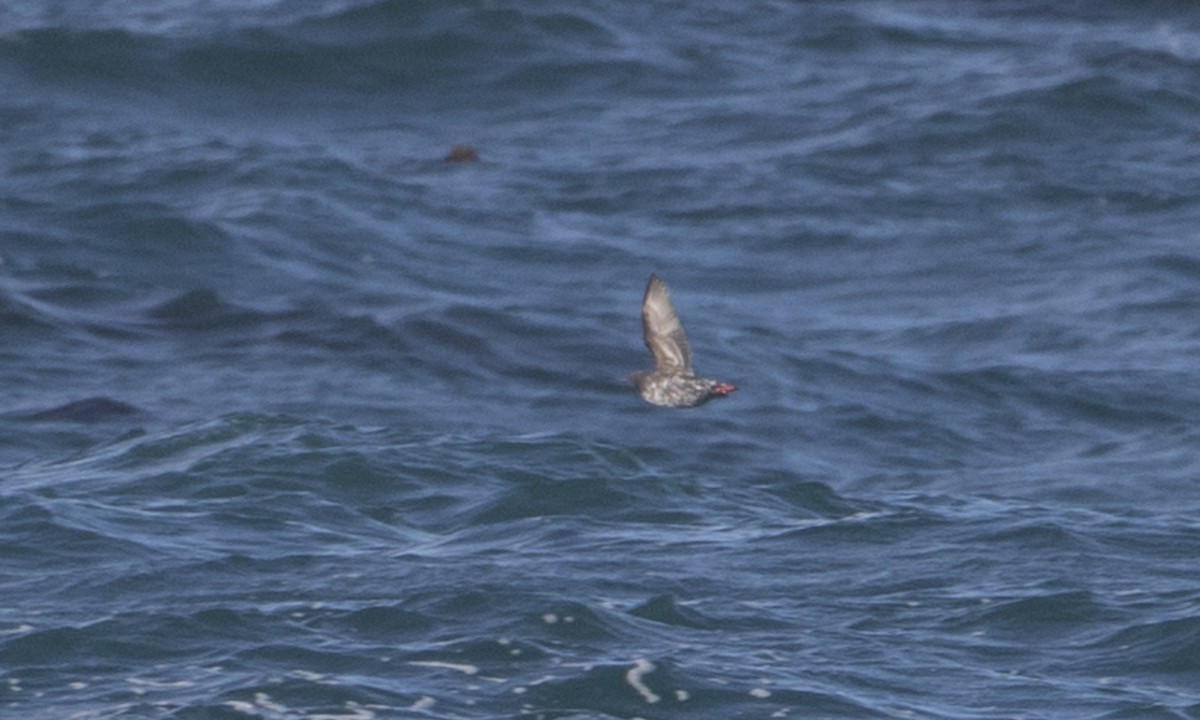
[(300, 419)]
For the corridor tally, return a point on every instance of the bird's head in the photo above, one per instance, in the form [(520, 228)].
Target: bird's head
[(721, 389)]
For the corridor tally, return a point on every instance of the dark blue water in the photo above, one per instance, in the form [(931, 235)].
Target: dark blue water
[(299, 419)]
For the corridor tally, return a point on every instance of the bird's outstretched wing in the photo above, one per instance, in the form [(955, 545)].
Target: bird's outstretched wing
[(662, 331)]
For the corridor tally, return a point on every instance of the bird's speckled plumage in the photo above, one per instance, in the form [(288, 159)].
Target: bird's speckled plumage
[(671, 383)]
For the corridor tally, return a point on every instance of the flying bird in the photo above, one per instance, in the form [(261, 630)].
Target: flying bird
[(671, 383)]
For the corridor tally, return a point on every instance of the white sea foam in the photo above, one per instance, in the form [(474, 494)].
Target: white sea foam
[(641, 668), (460, 667)]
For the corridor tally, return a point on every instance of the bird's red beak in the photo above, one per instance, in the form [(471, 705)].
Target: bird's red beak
[(723, 389)]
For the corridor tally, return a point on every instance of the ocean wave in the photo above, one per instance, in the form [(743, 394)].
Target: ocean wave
[(366, 48), (87, 410), (1170, 646)]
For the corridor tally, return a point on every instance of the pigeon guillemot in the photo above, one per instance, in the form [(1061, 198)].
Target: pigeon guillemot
[(671, 383)]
